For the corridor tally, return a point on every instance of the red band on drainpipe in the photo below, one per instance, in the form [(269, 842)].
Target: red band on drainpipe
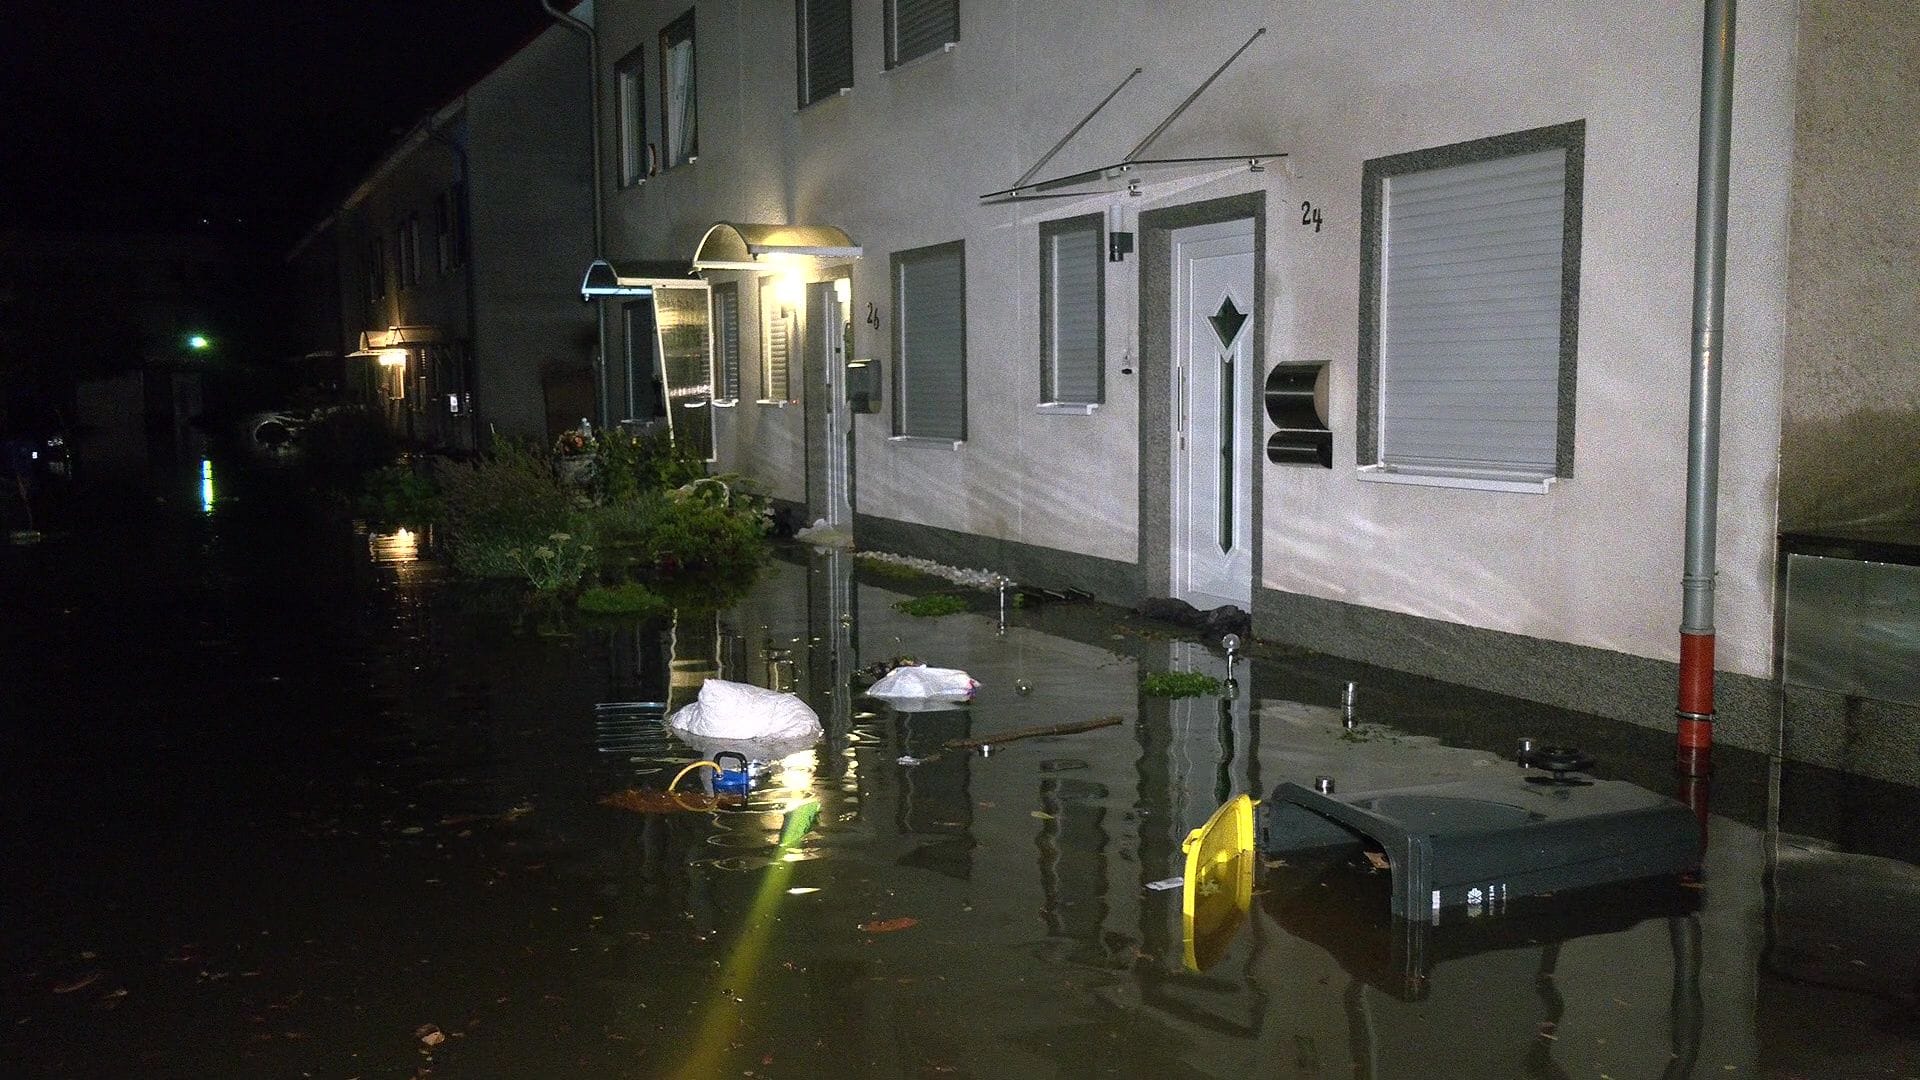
[(1696, 675)]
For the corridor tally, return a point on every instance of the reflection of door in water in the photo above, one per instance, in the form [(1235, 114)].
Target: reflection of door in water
[(1213, 333), (829, 430)]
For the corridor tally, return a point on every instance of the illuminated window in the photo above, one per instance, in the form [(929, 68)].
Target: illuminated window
[(930, 342), (915, 28), (679, 117), (1072, 305), (824, 35), (630, 108)]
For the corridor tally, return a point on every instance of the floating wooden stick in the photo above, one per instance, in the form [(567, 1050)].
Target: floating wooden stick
[(1032, 732)]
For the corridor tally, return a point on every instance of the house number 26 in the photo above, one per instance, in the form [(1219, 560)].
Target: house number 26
[(1310, 215)]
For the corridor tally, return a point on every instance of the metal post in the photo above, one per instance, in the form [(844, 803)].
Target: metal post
[(1693, 749)]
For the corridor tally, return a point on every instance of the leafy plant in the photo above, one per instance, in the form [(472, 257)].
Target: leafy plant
[(931, 605), (510, 494), (557, 564), (627, 598), (1180, 684)]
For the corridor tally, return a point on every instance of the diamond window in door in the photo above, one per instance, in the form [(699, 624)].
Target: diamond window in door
[(1227, 322)]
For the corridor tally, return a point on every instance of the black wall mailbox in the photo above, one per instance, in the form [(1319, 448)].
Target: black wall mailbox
[(1296, 403), (863, 386)]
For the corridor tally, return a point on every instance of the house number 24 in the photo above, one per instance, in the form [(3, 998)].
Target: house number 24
[(1310, 215)]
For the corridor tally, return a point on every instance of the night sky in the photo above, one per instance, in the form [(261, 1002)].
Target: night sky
[(249, 118)]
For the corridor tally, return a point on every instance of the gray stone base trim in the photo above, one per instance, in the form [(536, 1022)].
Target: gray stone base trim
[(1633, 689), (1029, 564), (1854, 735)]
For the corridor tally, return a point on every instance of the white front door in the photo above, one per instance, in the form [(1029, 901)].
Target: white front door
[(1213, 316), (829, 416)]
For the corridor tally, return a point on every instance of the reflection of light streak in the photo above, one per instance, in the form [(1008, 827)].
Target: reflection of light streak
[(723, 1015), (206, 486)]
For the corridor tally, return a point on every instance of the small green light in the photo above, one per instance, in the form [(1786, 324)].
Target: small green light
[(198, 341)]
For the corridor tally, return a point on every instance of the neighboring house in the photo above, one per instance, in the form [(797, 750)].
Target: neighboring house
[(449, 265), (1413, 389)]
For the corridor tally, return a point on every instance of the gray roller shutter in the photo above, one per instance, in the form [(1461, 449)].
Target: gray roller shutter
[(1471, 316), (826, 48), (917, 27), (930, 342), (1071, 345)]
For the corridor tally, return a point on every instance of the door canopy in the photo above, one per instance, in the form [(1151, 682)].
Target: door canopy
[(729, 246)]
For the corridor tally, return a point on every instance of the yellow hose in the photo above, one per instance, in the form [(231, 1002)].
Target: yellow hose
[(675, 782)]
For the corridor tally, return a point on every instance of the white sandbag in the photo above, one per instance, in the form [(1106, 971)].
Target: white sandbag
[(731, 710), (925, 683)]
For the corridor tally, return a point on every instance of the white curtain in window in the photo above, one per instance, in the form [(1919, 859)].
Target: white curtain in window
[(681, 122)]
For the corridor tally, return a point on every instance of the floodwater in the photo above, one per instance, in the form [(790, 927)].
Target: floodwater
[(283, 799)]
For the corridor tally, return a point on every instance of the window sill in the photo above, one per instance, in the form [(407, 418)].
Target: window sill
[(724, 403), (921, 59), (775, 404), (1067, 408), (927, 441), (1393, 474), (845, 91)]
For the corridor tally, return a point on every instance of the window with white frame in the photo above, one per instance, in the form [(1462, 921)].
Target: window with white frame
[(777, 331), (915, 28), (823, 35), (679, 97), (1072, 311), (630, 116), (726, 340), (930, 342), (1469, 310)]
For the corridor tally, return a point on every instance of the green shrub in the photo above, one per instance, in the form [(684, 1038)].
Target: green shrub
[(932, 605), (1179, 684), (627, 598), (510, 494), (397, 495), (628, 465)]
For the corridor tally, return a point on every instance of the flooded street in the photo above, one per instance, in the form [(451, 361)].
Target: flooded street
[(283, 799)]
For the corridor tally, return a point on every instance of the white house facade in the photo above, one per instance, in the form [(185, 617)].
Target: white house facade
[(1383, 336)]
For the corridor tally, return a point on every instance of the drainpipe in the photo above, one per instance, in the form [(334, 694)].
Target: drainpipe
[(585, 28), (1693, 749)]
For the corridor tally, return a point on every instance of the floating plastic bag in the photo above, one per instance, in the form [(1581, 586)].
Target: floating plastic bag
[(731, 710), (921, 683)]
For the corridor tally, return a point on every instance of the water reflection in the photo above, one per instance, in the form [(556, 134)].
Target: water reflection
[(974, 914)]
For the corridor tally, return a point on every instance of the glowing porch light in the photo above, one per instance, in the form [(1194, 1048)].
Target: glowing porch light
[(393, 357), (199, 342)]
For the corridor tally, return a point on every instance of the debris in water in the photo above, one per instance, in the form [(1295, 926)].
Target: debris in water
[(651, 801), (80, 983), (1033, 732), (888, 926), (429, 1035), (1166, 883)]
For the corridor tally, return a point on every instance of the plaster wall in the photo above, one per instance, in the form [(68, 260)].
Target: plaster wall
[(1850, 448), (529, 132), (901, 161)]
